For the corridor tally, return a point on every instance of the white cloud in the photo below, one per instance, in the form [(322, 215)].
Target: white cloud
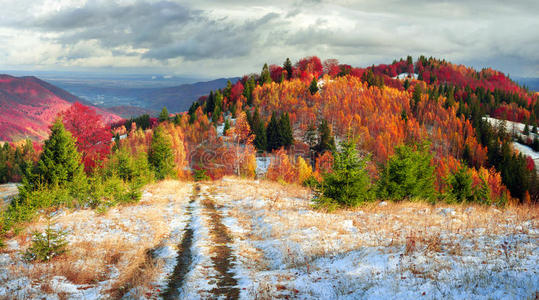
[(230, 38)]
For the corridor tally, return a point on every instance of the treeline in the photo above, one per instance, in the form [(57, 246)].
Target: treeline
[(61, 176), (13, 159)]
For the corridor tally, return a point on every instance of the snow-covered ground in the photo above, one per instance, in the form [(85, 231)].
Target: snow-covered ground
[(518, 128), (511, 126), (403, 76), (106, 253), (278, 246), (7, 192), (387, 251)]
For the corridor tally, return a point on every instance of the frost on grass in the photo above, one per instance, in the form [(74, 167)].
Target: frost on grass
[(389, 251), (127, 251), (283, 248)]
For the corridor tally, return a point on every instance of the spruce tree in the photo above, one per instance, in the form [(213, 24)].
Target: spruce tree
[(273, 135), (349, 183), (460, 185), (161, 156), (248, 90), (210, 103), (177, 119), (288, 67), (59, 163), (258, 129), (406, 84), (287, 138), (416, 97), (164, 115), (265, 76), (326, 142), (526, 129), (226, 127), (313, 88), (408, 173)]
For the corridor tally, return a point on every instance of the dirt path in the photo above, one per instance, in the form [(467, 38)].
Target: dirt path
[(222, 258), (185, 257), (220, 252)]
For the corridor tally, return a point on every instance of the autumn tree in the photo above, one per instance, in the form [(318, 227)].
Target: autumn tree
[(92, 137), (243, 148), (304, 171), (281, 168)]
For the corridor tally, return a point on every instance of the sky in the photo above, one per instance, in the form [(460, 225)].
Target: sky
[(232, 38)]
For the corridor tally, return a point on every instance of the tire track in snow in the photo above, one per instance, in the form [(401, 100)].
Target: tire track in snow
[(185, 257), (221, 254)]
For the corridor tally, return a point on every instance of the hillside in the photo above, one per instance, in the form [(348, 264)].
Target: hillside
[(28, 106), (256, 239)]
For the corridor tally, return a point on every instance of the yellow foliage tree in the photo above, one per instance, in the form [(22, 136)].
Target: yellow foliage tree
[(303, 169)]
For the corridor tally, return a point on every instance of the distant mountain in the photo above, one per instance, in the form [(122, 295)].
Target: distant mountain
[(179, 98), (126, 111), (28, 106), (531, 83), (113, 94)]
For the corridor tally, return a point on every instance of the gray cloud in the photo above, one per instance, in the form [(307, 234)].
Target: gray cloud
[(235, 37)]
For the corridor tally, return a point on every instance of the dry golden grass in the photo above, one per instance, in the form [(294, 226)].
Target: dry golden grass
[(102, 242), (269, 210)]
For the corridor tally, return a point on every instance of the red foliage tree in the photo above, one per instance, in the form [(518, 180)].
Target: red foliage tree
[(93, 136)]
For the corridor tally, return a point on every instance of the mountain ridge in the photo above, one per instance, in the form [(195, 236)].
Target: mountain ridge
[(28, 105)]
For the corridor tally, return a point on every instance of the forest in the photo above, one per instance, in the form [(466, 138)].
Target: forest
[(351, 134)]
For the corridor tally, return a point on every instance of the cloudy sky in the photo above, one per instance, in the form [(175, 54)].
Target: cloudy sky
[(229, 38)]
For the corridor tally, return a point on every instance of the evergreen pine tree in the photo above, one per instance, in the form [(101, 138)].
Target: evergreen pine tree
[(313, 88), (192, 112), (288, 67), (228, 88), (287, 138), (210, 103), (164, 115), (59, 163), (161, 157), (248, 90), (258, 129), (408, 173), (526, 129), (216, 114), (177, 119), (265, 76), (416, 97), (326, 142), (226, 127), (273, 134), (349, 183), (406, 84), (460, 185)]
